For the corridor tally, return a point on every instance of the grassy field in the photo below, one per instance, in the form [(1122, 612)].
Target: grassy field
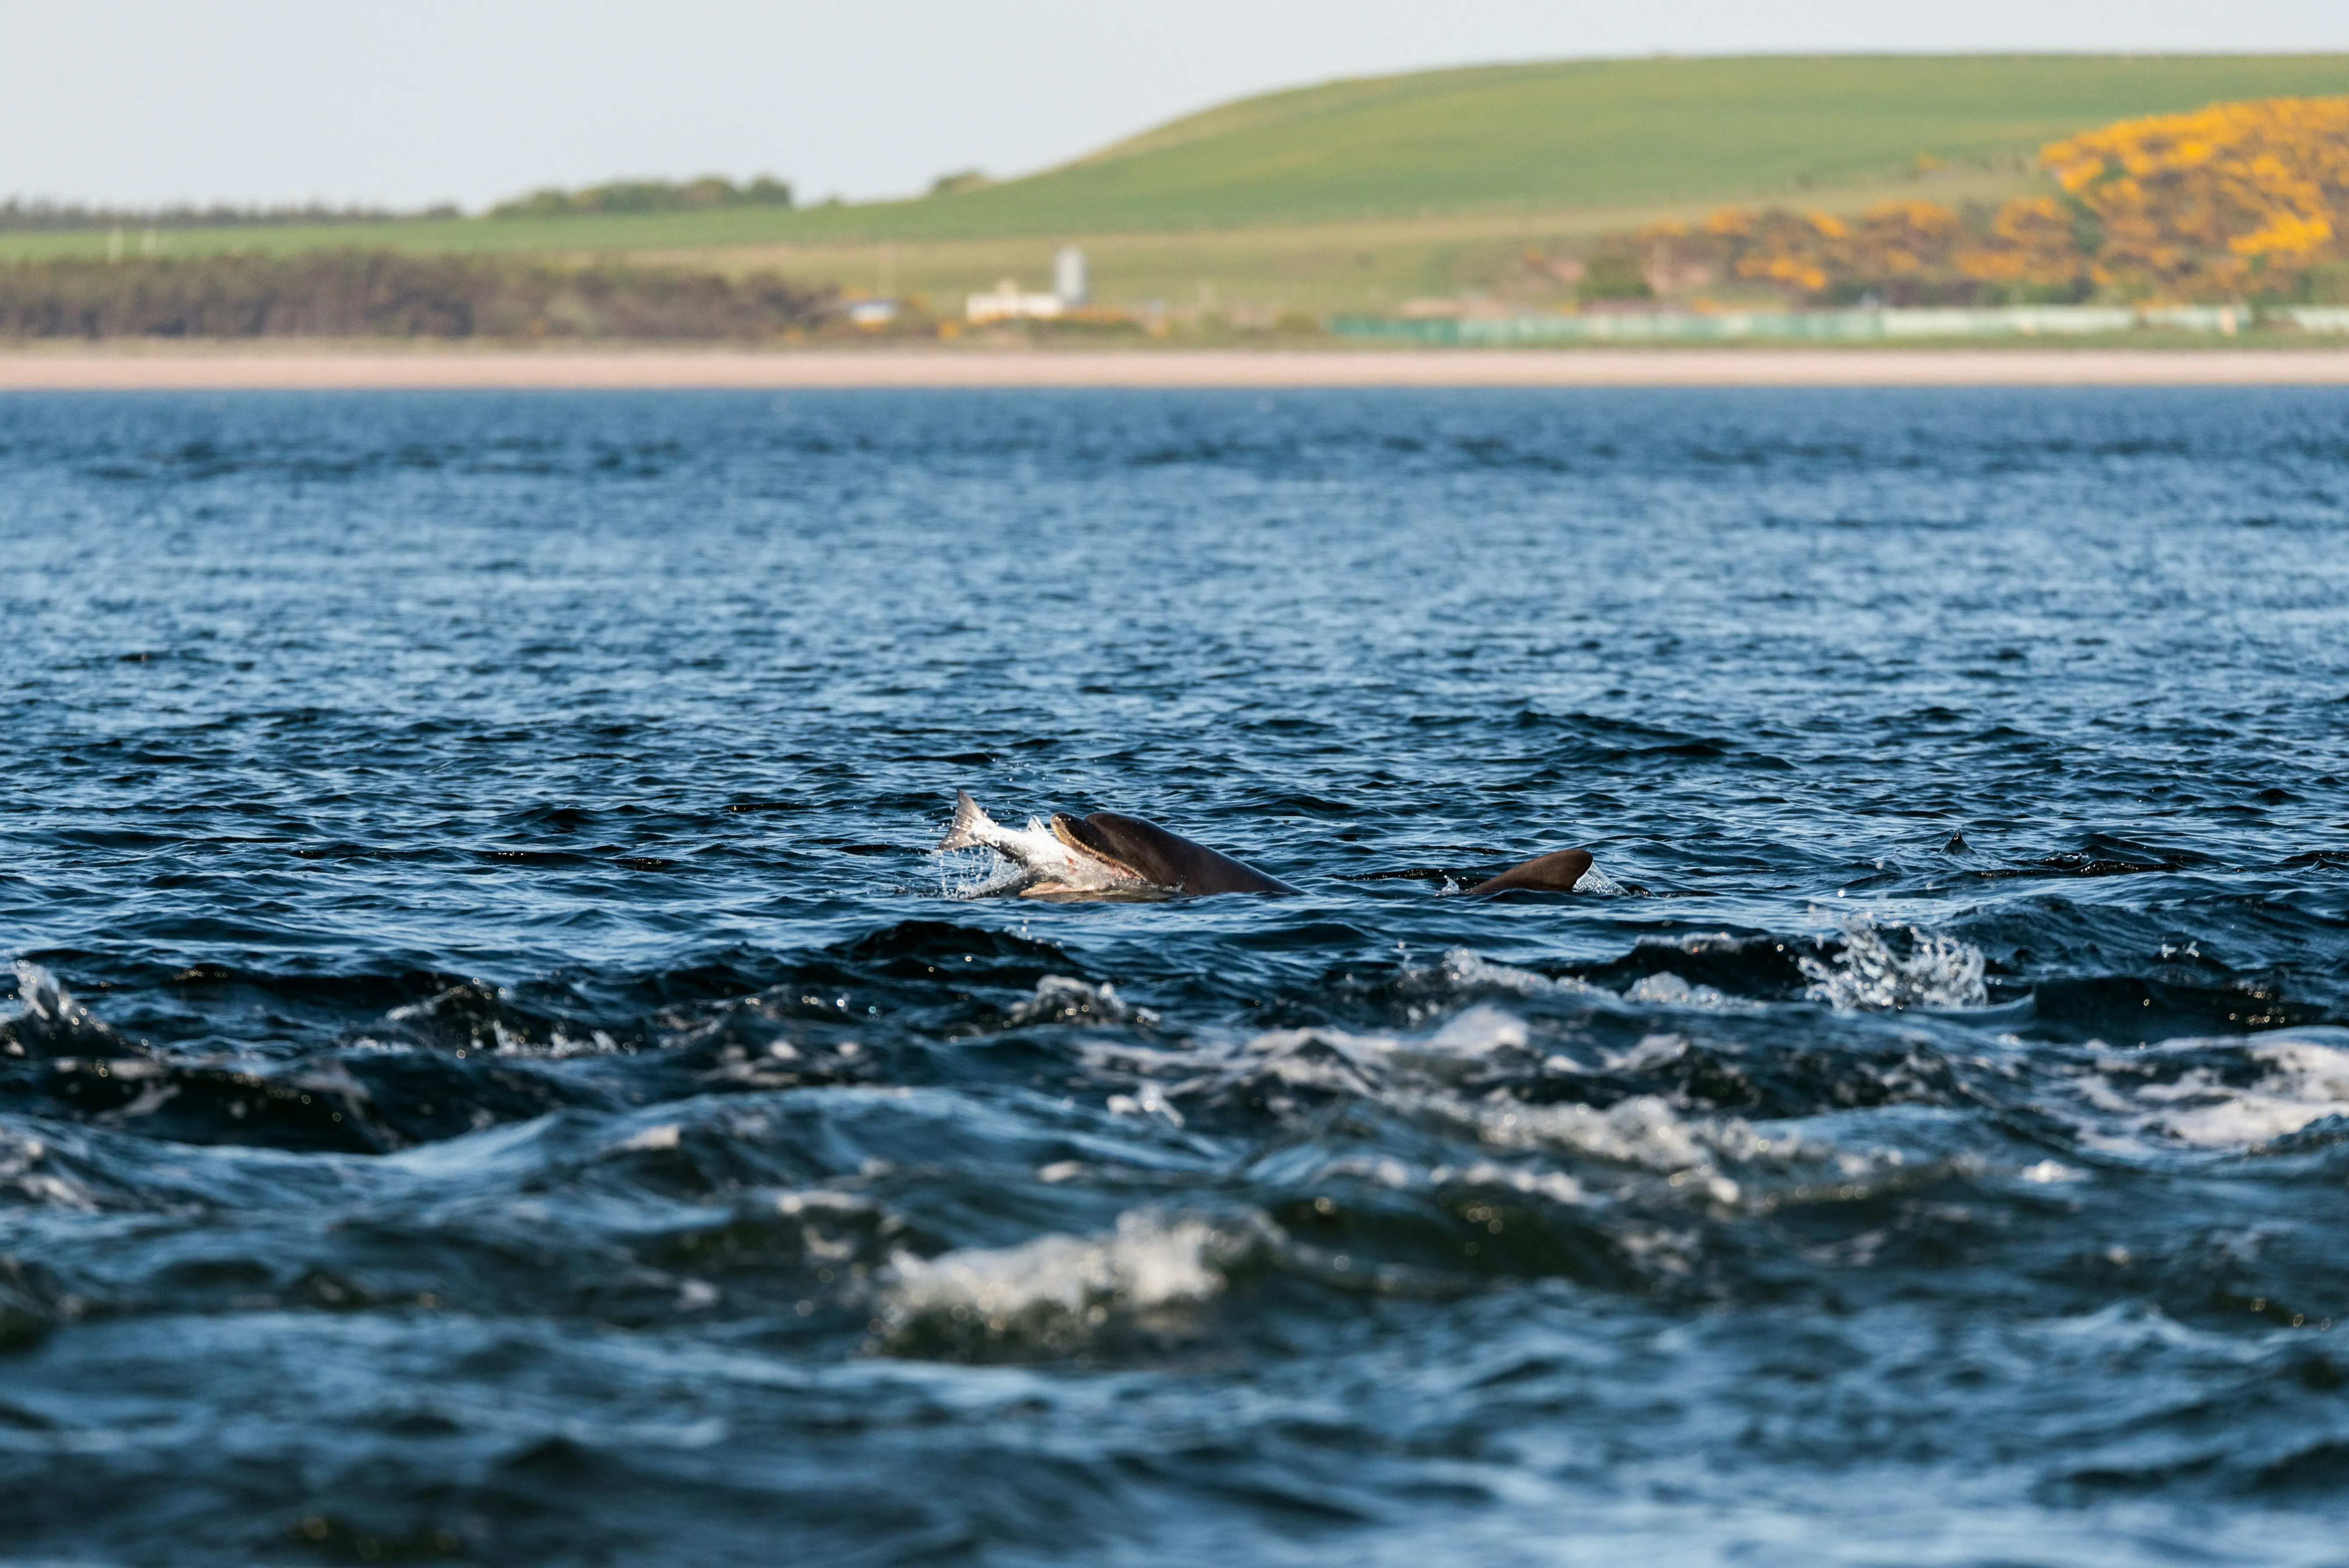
[(1368, 265), (1359, 194), (1609, 132)]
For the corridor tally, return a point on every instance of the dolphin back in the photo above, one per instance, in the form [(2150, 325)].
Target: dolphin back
[(1556, 873), (1170, 859)]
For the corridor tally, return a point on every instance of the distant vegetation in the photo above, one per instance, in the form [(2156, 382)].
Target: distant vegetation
[(34, 217), (2232, 201), (1596, 133), (1360, 196), (648, 196), (1558, 137), (367, 293)]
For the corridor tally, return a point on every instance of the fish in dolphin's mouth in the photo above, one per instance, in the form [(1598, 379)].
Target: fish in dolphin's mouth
[(1111, 855), (1057, 860), (1104, 856)]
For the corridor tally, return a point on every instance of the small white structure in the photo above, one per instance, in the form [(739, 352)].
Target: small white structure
[(1008, 304), (1069, 276), (872, 313)]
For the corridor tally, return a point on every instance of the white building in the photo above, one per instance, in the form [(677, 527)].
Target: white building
[(1008, 304), (1069, 276)]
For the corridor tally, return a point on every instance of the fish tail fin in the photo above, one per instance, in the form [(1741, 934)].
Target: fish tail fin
[(969, 821)]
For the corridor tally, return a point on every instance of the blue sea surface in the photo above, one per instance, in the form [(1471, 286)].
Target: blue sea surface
[(499, 1074)]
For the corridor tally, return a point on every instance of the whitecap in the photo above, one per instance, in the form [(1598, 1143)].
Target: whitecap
[(1644, 1130), (1667, 989), (1872, 975), (1467, 970), (1148, 1100), (41, 997), (1480, 1031), (1059, 998), (1053, 1293), (2300, 1080), (28, 1169)]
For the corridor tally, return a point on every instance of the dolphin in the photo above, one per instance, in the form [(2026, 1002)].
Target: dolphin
[(1160, 857), (1111, 855), (1554, 872), (1107, 854)]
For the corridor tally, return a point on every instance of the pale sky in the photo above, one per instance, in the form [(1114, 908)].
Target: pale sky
[(149, 102)]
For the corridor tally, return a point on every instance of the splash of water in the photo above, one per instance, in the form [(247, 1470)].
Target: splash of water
[(975, 873), (1885, 968)]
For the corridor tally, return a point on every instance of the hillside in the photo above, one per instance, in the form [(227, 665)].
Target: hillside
[(1358, 195), (1549, 138), (1606, 133)]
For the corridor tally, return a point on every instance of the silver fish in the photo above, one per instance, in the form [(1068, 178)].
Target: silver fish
[(1055, 865)]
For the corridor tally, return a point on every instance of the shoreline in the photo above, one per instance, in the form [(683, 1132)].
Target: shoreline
[(222, 367)]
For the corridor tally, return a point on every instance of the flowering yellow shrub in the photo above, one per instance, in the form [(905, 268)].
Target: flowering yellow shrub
[(2200, 203), (2033, 239), (2232, 198)]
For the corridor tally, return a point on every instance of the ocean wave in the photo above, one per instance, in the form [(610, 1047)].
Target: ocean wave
[(1884, 968), (29, 1171), (1057, 1294), (2217, 1095), (1063, 1000), (50, 1022)]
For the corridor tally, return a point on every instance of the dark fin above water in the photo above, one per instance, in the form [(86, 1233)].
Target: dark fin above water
[(1555, 872)]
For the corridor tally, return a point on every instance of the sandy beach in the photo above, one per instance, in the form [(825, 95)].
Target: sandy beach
[(192, 367)]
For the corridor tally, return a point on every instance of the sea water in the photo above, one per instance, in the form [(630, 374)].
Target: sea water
[(497, 1075)]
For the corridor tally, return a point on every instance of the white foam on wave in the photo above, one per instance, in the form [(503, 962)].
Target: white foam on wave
[(1480, 1031), (1644, 1130), (1667, 989), (1148, 1100), (1646, 1145), (1343, 1061), (1061, 998), (2300, 1080), (1553, 1186), (27, 1170), (1464, 969), (1059, 1289), (1872, 975), (41, 998)]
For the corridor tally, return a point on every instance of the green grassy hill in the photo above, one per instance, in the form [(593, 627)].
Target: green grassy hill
[(1356, 195), (1528, 138), (1606, 133)]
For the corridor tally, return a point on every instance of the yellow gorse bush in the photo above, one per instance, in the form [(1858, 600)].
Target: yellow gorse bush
[(2198, 202), (2226, 199)]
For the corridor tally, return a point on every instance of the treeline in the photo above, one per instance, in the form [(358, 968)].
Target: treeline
[(382, 294), (18, 216), (648, 196)]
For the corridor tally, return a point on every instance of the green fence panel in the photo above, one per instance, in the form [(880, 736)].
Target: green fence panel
[(1822, 325)]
